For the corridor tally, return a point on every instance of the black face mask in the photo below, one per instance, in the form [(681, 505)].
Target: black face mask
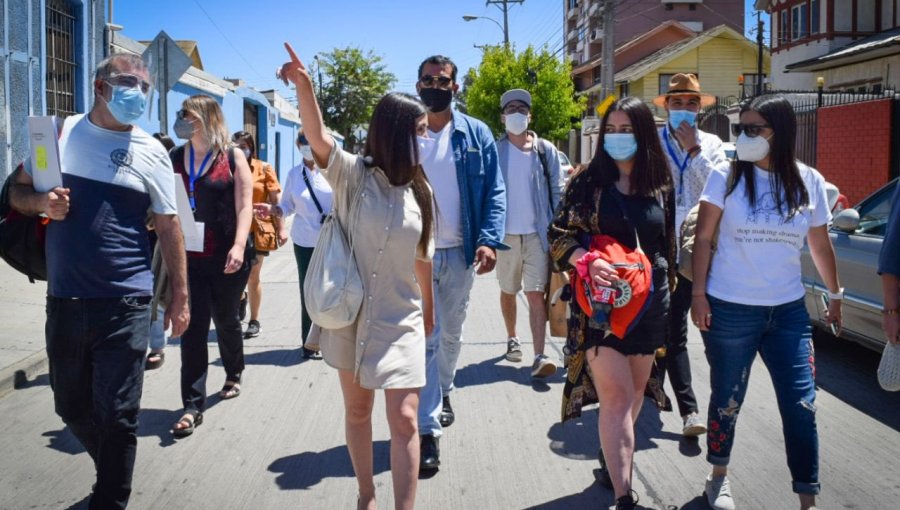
[(437, 100)]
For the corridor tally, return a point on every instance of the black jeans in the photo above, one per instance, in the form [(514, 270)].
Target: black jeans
[(217, 296), (95, 349), (676, 362), (303, 256)]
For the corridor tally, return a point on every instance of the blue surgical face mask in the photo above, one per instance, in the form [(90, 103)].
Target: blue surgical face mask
[(620, 146), (126, 104), (676, 117)]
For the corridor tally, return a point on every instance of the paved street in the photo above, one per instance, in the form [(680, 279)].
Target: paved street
[(280, 444)]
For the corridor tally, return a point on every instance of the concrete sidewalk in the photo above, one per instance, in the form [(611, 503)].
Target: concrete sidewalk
[(22, 315)]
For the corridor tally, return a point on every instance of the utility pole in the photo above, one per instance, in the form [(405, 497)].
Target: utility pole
[(503, 5), (759, 53), (607, 62)]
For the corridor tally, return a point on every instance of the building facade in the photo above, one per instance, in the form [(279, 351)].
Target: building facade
[(48, 50), (804, 31)]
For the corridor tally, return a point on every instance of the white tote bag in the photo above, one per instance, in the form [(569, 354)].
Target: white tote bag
[(333, 288)]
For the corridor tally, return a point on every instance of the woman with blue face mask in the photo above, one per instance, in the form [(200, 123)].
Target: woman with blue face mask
[(625, 193)]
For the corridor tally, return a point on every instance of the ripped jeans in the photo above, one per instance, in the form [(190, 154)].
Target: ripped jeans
[(783, 337)]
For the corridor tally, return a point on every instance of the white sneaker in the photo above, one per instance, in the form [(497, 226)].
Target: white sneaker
[(693, 426), (542, 367), (718, 493), (513, 349)]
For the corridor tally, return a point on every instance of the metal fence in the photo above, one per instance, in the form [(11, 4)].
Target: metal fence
[(718, 117)]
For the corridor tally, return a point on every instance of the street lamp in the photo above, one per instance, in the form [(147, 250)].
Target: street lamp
[(501, 27)]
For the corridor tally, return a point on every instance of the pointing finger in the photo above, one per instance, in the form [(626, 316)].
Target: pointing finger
[(291, 52)]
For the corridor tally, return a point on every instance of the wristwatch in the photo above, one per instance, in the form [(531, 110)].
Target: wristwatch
[(835, 295)]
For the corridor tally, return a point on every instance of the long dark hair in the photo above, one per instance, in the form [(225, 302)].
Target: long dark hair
[(651, 176), (391, 143), (784, 174)]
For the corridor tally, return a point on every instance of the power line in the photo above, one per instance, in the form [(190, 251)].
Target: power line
[(227, 40)]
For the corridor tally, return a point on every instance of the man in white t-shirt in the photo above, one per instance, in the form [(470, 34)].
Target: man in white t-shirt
[(99, 282), (460, 159), (692, 155), (531, 169)]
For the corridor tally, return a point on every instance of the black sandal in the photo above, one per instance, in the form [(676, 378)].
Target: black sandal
[(193, 418), (232, 387)]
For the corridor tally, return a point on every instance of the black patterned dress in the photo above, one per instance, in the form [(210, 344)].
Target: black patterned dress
[(587, 210)]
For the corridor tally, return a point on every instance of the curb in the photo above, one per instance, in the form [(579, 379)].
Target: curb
[(20, 373)]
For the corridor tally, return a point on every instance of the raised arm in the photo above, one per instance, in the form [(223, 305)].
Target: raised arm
[(295, 72)]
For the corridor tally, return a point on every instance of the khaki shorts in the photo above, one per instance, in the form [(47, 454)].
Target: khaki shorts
[(524, 260)]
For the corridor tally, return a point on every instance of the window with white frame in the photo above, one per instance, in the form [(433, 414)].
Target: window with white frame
[(799, 22)]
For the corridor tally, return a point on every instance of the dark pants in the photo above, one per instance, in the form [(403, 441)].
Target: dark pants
[(676, 361), (95, 349), (303, 255), (217, 296)]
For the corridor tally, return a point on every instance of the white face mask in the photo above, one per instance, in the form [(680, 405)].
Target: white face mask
[(751, 149), (306, 152), (426, 147), (516, 123), (247, 154)]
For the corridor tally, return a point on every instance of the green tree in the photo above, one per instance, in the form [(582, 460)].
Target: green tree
[(554, 104), (353, 83)]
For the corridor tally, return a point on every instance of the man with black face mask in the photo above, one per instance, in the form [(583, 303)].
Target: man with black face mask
[(460, 158), (99, 282)]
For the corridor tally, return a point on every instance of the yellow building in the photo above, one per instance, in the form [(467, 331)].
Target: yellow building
[(723, 59)]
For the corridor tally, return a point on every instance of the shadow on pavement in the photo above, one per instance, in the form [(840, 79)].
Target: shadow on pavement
[(588, 498), (21, 381), (64, 441), (649, 427), (81, 505), (847, 370), (491, 371), (576, 439), (698, 503), (307, 469)]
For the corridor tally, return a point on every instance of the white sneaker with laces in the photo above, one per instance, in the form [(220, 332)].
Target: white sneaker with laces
[(542, 367), (513, 349), (693, 426), (718, 493)]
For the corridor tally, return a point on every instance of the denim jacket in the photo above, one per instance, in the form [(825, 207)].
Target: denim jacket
[(541, 199), (481, 188)]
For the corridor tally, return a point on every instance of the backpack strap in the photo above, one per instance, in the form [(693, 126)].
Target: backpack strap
[(231, 164), (542, 156), (312, 194)]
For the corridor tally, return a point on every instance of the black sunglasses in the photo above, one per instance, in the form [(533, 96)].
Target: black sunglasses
[(181, 114), (442, 81), (752, 130), (302, 140)]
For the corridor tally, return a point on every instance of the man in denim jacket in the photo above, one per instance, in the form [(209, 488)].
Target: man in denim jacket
[(460, 158), (530, 168)]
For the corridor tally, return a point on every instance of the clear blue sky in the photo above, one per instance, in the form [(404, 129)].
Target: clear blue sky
[(403, 32)]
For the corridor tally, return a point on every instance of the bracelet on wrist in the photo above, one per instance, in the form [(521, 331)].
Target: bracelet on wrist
[(835, 295), (891, 311)]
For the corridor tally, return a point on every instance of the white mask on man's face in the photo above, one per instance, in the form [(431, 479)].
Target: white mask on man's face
[(306, 152), (516, 123)]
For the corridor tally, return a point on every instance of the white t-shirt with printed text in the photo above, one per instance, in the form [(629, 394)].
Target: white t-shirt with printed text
[(757, 261)]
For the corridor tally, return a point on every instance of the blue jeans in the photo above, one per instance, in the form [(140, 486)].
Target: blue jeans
[(783, 337), (452, 282), (95, 348), (157, 331)]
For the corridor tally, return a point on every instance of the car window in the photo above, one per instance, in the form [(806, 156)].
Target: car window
[(563, 160), (873, 214)]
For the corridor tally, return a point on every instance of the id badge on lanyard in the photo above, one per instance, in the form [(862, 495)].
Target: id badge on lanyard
[(682, 165)]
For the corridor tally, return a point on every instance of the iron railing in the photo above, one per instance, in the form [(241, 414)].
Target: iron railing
[(61, 65)]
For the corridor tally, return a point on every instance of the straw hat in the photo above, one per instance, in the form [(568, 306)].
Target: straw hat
[(682, 84)]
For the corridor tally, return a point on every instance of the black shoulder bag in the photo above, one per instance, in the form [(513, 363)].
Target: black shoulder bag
[(312, 194)]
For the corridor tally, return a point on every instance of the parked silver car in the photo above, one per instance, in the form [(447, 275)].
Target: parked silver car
[(857, 234)]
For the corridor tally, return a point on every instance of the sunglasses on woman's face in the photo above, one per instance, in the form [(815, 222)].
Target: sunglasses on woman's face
[(182, 114), (752, 130)]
